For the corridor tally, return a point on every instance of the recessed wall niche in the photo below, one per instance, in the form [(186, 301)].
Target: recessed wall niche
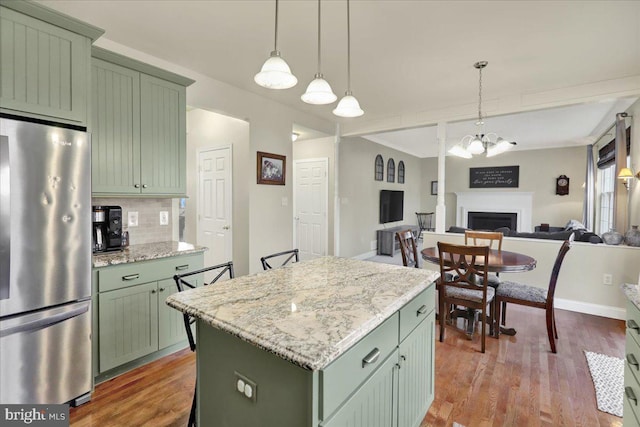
[(379, 168), (391, 171)]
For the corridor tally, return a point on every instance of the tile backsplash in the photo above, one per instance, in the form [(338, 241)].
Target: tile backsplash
[(149, 229)]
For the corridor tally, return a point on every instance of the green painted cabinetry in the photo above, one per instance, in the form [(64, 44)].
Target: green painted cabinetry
[(133, 319), (44, 62), (632, 368), (384, 380), (138, 126)]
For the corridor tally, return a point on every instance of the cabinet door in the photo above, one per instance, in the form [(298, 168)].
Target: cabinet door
[(44, 68), (115, 129), (170, 321), (373, 404), (163, 136), (128, 324), (416, 374)]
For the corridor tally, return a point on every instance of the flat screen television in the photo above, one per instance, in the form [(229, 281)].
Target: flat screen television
[(391, 206)]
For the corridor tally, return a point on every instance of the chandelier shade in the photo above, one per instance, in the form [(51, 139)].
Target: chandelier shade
[(489, 144)]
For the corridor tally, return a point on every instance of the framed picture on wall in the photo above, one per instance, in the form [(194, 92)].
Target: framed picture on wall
[(271, 168), (434, 188)]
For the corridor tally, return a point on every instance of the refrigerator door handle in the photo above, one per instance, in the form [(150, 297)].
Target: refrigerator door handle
[(43, 320), (5, 218)]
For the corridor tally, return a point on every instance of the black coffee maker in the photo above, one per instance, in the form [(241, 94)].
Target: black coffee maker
[(107, 228)]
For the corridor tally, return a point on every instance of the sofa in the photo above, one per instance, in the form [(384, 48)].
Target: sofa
[(555, 233)]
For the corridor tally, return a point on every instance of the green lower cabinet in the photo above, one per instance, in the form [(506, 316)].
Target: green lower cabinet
[(170, 321), (416, 374), (128, 324), (373, 404), (134, 322)]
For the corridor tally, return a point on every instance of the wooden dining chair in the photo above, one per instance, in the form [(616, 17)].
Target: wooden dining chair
[(189, 281), (408, 248), (493, 239), (532, 296), (462, 283), (285, 258)]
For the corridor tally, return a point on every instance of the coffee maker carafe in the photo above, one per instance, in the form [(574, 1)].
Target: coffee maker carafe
[(107, 228)]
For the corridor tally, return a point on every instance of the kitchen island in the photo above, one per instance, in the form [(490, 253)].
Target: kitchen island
[(326, 342)]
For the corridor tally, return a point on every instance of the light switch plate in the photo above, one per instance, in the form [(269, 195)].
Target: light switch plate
[(132, 219), (284, 201), (164, 218)]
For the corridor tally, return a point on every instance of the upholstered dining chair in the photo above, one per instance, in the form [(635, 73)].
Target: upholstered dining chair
[(189, 281), (408, 248), (462, 273), (532, 296), (285, 257)]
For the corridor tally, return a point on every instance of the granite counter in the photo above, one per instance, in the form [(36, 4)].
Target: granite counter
[(145, 252)]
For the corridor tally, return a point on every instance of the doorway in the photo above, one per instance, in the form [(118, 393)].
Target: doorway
[(214, 204), (310, 200)]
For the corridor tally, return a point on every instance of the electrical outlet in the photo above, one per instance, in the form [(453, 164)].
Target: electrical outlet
[(246, 387), (607, 279), (133, 219), (164, 218)]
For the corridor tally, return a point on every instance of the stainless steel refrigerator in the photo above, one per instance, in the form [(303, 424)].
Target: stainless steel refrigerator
[(45, 263)]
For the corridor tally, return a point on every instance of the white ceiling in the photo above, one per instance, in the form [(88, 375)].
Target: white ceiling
[(408, 57)]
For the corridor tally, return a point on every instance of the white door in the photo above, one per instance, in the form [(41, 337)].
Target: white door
[(310, 207), (214, 205)]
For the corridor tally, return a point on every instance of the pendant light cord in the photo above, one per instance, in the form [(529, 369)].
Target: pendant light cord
[(276, 36), (319, 62), (348, 49), (480, 97)]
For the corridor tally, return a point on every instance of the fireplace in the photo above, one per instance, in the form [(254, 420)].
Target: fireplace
[(492, 220), (519, 203)]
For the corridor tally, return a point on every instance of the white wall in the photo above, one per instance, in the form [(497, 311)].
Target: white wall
[(580, 284), (316, 149), (360, 193), (538, 172), (211, 130)]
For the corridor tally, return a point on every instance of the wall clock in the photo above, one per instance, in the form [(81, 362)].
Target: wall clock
[(562, 185)]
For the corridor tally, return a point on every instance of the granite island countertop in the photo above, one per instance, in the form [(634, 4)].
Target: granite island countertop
[(310, 312), (145, 252), (632, 292)]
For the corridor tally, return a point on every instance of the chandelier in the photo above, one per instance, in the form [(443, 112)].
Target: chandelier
[(481, 142)]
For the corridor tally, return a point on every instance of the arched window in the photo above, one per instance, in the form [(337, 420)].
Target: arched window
[(391, 171), (379, 171), (401, 172)]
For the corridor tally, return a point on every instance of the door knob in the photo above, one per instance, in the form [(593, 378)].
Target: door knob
[(136, 185), (144, 185), (226, 227)]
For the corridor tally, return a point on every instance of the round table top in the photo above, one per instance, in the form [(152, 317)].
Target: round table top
[(499, 261)]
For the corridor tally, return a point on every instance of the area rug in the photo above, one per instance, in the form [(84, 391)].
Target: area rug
[(608, 378)]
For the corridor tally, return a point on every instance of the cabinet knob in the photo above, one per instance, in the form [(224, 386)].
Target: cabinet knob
[(136, 185), (161, 289), (153, 291), (144, 185)]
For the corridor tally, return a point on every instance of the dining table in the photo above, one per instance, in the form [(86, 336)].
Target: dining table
[(499, 261)]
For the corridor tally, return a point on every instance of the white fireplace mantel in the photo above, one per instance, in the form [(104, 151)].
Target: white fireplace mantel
[(519, 202)]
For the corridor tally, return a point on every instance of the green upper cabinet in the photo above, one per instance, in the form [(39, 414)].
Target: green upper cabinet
[(115, 134), (44, 63), (138, 128)]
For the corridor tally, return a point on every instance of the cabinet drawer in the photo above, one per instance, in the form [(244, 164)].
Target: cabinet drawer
[(416, 310), (135, 273), (346, 373), (632, 356), (633, 321)]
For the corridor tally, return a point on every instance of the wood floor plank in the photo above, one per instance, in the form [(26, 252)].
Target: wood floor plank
[(517, 382)]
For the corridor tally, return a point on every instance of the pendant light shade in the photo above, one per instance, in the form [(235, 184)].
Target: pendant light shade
[(275, 73), (319, 91), (348, 105)]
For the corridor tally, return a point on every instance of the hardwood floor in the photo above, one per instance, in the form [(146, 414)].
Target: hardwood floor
[(517, 382)]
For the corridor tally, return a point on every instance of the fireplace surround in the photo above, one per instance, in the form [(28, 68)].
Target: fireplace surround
[(511, 202)]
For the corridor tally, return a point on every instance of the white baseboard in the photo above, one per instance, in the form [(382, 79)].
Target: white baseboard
[(365, 255), (589, 308)]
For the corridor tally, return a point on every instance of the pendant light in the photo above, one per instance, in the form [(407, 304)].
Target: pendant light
[(319, 91), (275, 73), (348, 105), (472, 145)]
